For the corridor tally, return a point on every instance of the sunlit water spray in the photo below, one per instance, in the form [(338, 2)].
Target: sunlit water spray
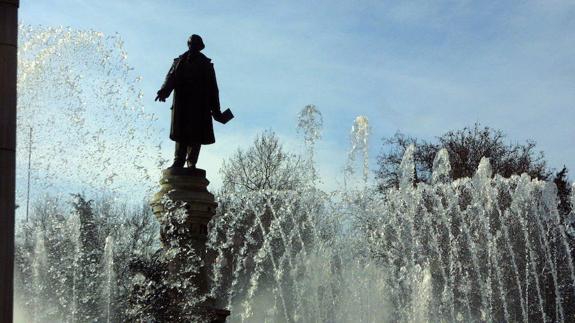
[(109, 278), (83, 102), (310, 123), (39, 265), (90, 134), (485, 248), (359, 146)]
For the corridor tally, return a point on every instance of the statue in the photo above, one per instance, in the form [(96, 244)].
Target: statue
[(195, 102), (184, 206)]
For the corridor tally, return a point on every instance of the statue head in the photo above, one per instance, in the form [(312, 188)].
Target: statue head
[(195, 43)]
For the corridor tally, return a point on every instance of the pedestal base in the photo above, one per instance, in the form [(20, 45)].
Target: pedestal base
[(184, 207), (215, 315)]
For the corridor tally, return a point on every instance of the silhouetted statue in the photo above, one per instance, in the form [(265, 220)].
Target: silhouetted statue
[(196, 101)]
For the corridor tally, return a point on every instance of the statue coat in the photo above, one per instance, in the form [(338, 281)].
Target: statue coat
[(196, 98)]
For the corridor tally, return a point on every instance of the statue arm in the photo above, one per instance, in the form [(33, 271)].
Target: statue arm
[(213, 91), (169, 82)]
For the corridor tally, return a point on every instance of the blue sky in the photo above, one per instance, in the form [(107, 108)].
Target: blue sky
[(419, 67)]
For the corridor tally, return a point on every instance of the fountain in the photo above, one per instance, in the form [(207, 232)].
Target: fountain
[(485, 248), (80, 81), (475, 249)]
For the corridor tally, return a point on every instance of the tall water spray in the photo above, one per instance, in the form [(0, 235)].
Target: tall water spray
[(39, 261), (82, 98), (310, 123), (92, 135), (74, 231), (108, 278), (359, 146)]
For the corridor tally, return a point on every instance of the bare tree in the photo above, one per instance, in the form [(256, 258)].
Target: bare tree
[(258, 183), (466, 147), (264, 165)]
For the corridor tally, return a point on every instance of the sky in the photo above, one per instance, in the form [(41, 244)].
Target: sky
[(418, 67)]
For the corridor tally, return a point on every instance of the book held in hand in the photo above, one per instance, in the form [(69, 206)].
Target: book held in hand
[(224, 117)]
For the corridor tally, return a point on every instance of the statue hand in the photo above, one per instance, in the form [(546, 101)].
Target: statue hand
[(162, 95)]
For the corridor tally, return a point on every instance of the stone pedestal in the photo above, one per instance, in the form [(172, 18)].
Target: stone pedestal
[(187, 190)]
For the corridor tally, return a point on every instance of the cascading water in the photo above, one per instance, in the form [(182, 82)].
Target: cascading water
[(74, 225), (39, 261), (82, 100), (109, 278), (481, 249)]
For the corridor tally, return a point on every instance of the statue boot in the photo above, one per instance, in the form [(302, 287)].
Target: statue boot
[(186, 153)]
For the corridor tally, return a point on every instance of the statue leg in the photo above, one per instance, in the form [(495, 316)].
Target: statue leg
[(193, 154), (180, 154)]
